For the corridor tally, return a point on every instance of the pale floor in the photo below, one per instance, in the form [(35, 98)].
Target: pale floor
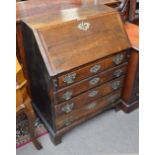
[(109, 133)]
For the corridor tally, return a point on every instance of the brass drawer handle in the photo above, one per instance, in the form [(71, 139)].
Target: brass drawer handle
[(70, 78), (84, 26), (117, 73), (94, 81), (93, 93), (113, 98), (118, 59), (67, 122), (115, 85), (68, 108), (67, 95), (95, 68), (92, 105)]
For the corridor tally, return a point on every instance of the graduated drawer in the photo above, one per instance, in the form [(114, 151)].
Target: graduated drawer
[(86, 97), (91, 69), (67, 93), (83, 110)]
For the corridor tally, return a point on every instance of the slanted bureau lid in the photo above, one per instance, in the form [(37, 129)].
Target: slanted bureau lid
[(74, 37)]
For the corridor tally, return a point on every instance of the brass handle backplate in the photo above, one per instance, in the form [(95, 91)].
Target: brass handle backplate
[(67, 95), (93, 93), (115, 85), (68, 108), (118, 59), (92, 105), (94, 81), (117, 73), (114, 98), (67, 122), (70, 78), (95, 68)]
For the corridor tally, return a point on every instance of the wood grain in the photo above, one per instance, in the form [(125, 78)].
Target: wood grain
[(84, 72), (85, 85), (88, 48), (130, 96), (55, 48), (84, 111)]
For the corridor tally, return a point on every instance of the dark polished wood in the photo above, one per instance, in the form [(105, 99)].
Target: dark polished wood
[(85, 84), (84, 109), (92, 41), (85, 71), (130, 96), (86, 52), (87, 96), (33, 8)]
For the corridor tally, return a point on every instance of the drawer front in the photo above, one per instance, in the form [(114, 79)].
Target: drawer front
[(91, 95), (87, 109), (92, 69), (71, 91)]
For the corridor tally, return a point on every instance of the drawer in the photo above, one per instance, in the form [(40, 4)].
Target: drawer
[(92, 69), (87, 109), (91, 95), (69, 92)]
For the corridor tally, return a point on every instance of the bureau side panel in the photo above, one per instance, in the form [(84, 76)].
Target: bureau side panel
[(40, 81)]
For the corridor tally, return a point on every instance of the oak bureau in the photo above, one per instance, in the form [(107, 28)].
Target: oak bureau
[(77, 61)]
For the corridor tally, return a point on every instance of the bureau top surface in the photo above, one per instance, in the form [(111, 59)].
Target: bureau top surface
[(73, 37), (35, 7), (53, 18)]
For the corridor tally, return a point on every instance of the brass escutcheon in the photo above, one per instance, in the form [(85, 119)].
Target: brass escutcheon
[(84, 26)]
